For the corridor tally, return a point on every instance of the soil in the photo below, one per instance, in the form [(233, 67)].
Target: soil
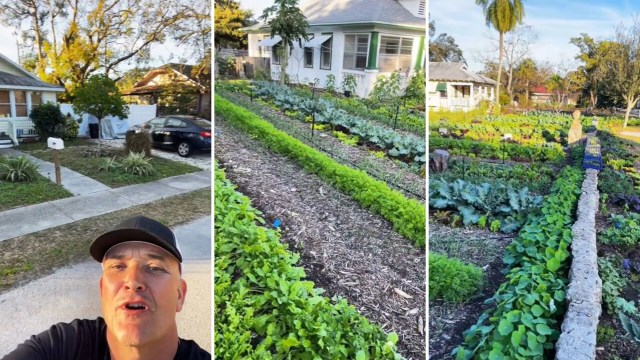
[(346, 250), (385, 169), (483, 248)]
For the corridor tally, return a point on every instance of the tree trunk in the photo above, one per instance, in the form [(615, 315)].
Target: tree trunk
[(631, 102), (283, 63), (526, 93), (510, 86), (499, 71)]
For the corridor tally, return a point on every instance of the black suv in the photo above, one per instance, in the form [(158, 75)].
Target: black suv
[(183, 133)]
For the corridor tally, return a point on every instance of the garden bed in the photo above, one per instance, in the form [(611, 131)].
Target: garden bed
[(394, 173), (346, 250), (82, 160)]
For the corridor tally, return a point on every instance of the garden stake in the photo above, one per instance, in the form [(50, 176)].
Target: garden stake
[(504, 142), (396, 119)]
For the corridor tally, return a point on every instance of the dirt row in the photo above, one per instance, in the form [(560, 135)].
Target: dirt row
[(386, 169), (345, 250)]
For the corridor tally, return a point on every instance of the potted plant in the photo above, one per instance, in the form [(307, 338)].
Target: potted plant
[(349, 84)]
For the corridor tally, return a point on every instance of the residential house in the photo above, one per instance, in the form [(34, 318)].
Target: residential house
[(175, 89), (20, 91), (452, 86), (366, 38), (540, 95)]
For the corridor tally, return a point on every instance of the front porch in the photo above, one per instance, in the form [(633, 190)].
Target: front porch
[(14, 129)]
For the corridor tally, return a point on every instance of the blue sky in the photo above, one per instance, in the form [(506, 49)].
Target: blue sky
[(556, 22), (257, 6)]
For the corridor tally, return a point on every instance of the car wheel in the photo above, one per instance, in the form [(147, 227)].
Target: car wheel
[(184, 149)]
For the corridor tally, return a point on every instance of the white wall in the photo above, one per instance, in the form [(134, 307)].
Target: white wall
[(137, 115)]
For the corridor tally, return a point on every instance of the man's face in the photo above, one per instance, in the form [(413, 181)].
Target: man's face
[(141, 292)]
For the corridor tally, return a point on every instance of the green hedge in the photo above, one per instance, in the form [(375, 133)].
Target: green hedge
[(408, 217), (264, 309), (452, 280), (530, 303)]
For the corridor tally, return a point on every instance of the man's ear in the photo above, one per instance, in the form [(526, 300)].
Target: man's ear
[(182, 292), (101, 286)]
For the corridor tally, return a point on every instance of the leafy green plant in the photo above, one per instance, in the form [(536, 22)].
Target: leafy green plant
[(625, 230), (330, 84), (529, 304), (349, 82), (350, 140), (137, 164), (632, 327), (612, 282), (482, 222), (604, 334), (452, 280), (495, 226), (108, 164), (17, 169), (263, 306)]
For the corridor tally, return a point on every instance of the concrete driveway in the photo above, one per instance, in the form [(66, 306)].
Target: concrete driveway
[(73, 292)]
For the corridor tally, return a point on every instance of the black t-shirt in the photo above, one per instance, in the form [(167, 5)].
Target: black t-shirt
[(84, 340)]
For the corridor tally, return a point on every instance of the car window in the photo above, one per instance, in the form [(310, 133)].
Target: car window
[(157, 123), (175, 123), (202, 122)]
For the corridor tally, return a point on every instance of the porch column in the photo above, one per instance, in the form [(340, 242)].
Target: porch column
[(372, 64), (420, 53), (471, 98), (29, 102), (12, 103)]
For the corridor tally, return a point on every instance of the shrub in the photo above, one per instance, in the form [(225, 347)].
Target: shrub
[(16, 169), (330, 85), (452, 280), (47, 120), (70, 128), (138, 142), (137, 164), (108, 164), (349, 83)]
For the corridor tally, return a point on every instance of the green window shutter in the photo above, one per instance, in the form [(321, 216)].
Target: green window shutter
[(441, 87), (373, 51)]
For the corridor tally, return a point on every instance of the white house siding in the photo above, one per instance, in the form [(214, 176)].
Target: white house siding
[(365, 79)]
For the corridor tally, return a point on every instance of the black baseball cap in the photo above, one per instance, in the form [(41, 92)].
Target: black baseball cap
[(139, 228)]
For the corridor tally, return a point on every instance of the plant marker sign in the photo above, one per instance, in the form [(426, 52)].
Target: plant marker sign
[(592, 155)]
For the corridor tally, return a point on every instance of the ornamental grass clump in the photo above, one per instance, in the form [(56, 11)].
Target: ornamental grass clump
[(18, 169), (137, 164)]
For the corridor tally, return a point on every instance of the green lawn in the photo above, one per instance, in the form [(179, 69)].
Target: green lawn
[(19, 194), (75, 159), (42, 145)]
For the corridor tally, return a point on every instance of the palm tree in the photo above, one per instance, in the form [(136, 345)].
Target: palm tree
[(503, 15)]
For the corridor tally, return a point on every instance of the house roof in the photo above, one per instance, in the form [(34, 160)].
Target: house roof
[(321, 12), (540, 89), (453, 71), (184, 70), (11, 81), (343, 12)]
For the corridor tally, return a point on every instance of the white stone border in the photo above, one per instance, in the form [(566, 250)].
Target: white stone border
[(584, 295)]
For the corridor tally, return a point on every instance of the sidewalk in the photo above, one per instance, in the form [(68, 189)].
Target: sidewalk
[(73, 292), (34, 218), (74, 182)]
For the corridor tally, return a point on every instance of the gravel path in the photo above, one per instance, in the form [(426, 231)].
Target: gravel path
[(347, 251)]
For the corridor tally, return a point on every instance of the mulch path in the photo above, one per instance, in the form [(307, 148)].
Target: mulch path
[(345, 250)]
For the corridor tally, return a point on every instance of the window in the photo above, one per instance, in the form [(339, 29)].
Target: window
[(325, 55), (36, 99), (395, 53), (175, 123), (275, 51), (156, 123), (308, 57), (355, 51), (21, 103), (5, 105)]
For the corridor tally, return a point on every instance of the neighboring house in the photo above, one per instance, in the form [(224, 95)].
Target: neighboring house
[(20, 91), (174, 89), (454, 87), (366, 38), (540, 95)]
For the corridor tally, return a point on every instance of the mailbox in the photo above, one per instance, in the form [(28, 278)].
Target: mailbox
[(55, 143)]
